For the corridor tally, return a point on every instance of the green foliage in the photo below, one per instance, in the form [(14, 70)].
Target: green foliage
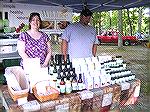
[(75, 18), (109, 20)]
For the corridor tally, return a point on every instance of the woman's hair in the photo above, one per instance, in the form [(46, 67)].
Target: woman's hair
[(33, 14)]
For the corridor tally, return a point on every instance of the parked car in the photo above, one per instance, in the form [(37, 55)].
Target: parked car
[(112, 37), (142, 38)]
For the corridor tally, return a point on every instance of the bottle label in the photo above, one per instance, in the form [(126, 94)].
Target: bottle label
[(80, 86), (51, 70), (74, 86), (55, 76), (62, 88), (68, 88)]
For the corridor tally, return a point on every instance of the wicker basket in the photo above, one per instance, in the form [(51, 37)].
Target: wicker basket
[(47, 97)]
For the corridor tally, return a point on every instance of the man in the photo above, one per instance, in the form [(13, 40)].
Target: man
[(79, 39), (63, 24)]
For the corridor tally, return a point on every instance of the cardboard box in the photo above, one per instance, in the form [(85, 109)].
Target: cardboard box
[(86, 100), (62, 104), (97, 99), (48, 106), (116, 93), (107, 98), (130, 96), (74, 102)]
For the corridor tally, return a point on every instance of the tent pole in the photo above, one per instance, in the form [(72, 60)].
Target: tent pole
[(120, 29)]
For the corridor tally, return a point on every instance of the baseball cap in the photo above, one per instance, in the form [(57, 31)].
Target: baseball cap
[(86, 12)]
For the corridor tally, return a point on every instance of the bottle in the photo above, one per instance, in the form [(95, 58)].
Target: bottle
[(52, 60), (67, 59), (57, 59), (55, 72), (62, 61), (59, 67), (70, 67), (65, 69), (62, 86), (68, 74), (74, 84), (80, 82), (58, 80), (73, 74), (68, 86), (51, 65), (64, 75)]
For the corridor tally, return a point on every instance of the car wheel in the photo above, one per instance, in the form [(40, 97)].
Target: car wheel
[(99, 41), (126, 42)]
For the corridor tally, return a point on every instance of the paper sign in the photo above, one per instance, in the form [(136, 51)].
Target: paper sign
[(137, 91), (86, 94), (125, 86), (22, 100), (31, 65), (107, 99)]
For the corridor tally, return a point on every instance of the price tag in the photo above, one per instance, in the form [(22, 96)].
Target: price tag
[(125, 86), (86, 94), (137, 91), (107, 99)]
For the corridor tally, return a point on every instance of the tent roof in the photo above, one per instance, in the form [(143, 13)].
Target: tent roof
[(94, 5)]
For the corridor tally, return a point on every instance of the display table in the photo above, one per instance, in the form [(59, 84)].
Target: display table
[(102, 99)]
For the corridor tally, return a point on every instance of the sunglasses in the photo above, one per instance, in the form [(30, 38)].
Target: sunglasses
[(34, 14)]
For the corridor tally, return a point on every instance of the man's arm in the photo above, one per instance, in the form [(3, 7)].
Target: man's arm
[(64, 48), (94, 49)]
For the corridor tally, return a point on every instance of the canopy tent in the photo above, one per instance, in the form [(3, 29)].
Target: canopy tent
[(94, 5)]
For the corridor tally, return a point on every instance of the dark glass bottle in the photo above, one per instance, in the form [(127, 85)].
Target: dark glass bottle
[(70, 67), (73, 73), (58, 80), (80, 82), (55, 72), (60, 67), (68, 74), (67, 59), (74, 83), (62, 59), (65, 69), (57, 59), (52, 60), (51, 65), (64, 75)]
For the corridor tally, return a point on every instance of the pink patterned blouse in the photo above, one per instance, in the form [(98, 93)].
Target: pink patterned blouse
[(35, 48)]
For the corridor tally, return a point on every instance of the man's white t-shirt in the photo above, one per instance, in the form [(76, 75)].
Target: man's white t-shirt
[(80, 40)]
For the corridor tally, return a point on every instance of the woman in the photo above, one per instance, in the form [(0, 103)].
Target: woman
[(34, 43)]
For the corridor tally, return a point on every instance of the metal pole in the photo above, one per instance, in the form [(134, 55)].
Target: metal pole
[(120, 29)]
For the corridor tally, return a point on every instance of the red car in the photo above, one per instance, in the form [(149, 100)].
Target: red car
[(112, 37)]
